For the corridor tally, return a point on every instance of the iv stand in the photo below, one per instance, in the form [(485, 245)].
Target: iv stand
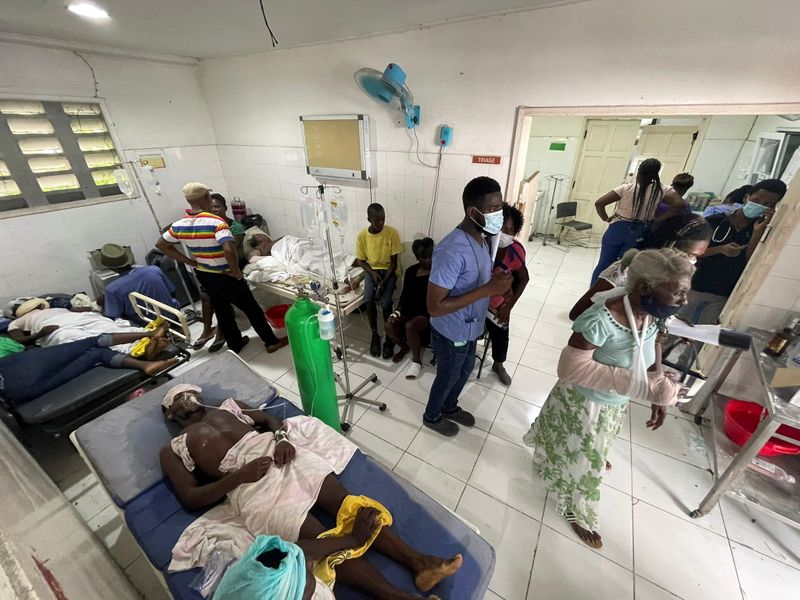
[(192, 312), (556, 179), (350, 395)]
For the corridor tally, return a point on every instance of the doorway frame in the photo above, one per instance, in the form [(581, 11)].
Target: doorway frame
[(779, 232)]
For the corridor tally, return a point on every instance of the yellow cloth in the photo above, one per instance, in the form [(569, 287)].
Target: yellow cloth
[(325, 569), (379, 248), (140, 347)]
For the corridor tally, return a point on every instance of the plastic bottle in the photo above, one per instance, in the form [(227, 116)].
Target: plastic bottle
[(327, 324), (312, 362)]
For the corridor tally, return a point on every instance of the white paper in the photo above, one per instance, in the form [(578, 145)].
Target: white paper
[(495, 246), (708, 334)]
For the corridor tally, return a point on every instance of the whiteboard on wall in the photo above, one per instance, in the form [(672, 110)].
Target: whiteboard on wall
[(337, 146)]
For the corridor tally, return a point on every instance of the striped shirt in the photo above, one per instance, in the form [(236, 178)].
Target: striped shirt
[(203, 234)]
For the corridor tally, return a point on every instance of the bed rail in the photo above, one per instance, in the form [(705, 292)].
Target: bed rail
[(148, 310)]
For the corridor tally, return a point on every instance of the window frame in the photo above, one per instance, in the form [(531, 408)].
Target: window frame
[(118, 148)]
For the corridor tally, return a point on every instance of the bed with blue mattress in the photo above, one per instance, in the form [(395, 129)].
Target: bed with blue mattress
[(122, 447)]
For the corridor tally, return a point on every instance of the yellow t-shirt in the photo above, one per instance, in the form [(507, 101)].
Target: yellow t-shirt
[(378, 248)]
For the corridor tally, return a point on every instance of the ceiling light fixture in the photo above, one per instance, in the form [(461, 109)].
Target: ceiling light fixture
[(88, 10)]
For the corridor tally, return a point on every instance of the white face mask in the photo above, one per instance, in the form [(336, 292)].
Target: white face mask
[(505, 240), (493, 222)]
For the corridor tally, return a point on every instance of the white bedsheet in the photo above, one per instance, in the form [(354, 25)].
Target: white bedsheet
[(299, 256)]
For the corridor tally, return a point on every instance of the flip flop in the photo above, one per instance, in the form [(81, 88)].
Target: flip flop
[(203, 341), (414, 370), (216, 346)]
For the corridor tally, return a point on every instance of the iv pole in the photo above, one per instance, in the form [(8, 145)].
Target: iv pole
[(556, 179), (350, 395), (146, 196)]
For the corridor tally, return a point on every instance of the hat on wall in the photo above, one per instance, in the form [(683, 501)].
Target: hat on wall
[(194, 190), (29, 305), (112, 256)]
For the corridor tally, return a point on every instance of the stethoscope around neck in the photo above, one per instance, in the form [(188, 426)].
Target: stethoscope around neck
[(724, 237)]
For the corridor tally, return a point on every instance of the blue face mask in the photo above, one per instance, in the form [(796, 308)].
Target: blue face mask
[(493, 222), (654, 307), (753, 210)]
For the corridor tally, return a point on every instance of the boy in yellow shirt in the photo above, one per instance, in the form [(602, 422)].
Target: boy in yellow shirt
[(377, 249)]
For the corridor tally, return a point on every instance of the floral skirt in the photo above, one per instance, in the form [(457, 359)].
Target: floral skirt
[(572, 436)]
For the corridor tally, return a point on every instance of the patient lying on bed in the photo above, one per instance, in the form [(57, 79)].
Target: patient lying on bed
[(273, 473), (56, 326)]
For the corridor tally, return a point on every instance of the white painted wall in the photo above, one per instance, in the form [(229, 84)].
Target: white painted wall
[(473, 75), (152, 106)]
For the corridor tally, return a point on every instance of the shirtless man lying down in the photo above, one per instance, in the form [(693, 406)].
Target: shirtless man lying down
[(273, 473)]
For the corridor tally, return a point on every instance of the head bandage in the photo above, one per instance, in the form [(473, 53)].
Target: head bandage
[(176, 390)]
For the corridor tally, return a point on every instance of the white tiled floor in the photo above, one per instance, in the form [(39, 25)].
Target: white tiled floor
[(652, 549)]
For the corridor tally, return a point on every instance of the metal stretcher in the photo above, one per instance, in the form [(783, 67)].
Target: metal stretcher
[(123, 446), (100, 389)]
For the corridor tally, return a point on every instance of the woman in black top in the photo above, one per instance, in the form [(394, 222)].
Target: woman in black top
[(409, 323)]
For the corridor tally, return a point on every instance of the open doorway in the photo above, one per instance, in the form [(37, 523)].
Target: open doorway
[(579, 154)]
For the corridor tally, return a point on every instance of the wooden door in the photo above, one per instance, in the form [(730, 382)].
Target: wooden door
[(603, 164), (670, 145)]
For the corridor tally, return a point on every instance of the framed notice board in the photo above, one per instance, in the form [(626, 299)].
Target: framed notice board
[(337, 146)]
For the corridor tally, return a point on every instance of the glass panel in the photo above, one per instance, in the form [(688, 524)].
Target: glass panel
[(23, 125), (93, 144), (102, 159), (48, 164), (48, 145), (104, 178), (4, 172), (8, 187), (21, 107), (53, 183), (74, 108), (87, 125)]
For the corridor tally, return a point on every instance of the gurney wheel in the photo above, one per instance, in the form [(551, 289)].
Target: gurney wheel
[(382, 408), (346, 427)]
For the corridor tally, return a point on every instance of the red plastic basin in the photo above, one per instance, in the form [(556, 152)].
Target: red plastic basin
[(741, 420)]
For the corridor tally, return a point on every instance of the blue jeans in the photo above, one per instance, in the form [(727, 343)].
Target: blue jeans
[(453, 367), (28, 375), (618, 239), (385, 298)]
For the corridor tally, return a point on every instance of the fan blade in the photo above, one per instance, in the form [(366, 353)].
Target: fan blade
[(372, 83)]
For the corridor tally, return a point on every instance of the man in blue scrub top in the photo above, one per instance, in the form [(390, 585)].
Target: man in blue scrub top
[(460, 285)]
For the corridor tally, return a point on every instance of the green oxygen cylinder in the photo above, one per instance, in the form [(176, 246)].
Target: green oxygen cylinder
[(312, 362)]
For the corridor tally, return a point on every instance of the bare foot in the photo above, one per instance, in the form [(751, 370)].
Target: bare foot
[(156, 346), (439, 569), (401, 354), (590, 538), (608, 466), (157, 366)]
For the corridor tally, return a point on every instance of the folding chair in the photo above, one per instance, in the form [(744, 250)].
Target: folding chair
[(565, 219)]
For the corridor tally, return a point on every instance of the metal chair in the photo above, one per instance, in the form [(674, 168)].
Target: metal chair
[(565, 219)]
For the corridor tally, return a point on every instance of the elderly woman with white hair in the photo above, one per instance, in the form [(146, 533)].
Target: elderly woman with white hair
[(612, 357)]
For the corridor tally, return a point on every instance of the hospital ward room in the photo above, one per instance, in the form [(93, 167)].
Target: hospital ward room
[(434, 299)]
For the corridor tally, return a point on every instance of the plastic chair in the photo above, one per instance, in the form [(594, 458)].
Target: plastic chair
[(565, 219)]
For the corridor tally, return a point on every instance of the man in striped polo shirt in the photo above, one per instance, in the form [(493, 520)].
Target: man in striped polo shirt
[(216, 263)]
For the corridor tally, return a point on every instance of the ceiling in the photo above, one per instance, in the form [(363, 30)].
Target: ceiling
[(209, 28)]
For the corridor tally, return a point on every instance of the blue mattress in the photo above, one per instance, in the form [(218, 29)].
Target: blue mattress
[(156, 518)]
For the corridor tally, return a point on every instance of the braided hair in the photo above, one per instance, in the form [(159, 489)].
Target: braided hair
[(675, 232), (644, 204)]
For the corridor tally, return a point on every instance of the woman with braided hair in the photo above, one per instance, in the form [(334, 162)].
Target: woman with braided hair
[(636, 205), (687, 233)]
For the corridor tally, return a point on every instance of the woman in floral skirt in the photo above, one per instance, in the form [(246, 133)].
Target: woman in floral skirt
[(611, 357)]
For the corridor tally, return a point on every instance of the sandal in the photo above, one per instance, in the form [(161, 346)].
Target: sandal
[(216, 346), (200, 343), (414, 370)]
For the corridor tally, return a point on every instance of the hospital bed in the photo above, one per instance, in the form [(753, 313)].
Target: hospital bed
[(122, 447), (100, 389), (290, 287)]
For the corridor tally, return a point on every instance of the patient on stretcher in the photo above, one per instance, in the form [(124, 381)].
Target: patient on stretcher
[(36, 322), (273, 473)]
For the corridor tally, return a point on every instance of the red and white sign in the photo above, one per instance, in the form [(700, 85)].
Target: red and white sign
[(481, 159)]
